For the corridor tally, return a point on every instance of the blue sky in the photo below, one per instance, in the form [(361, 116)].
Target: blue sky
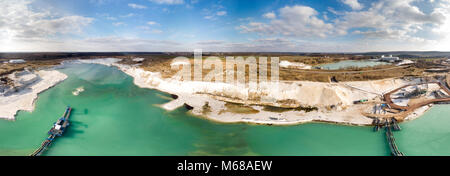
[(226, 25)]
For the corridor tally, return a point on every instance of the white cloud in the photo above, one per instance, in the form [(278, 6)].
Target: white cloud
[(111, 18), (221, 13), (400, 25), (19, 22), (191, 4), (99, 2), (106, 16), (114, 43), (392, 24), (354, 4), (253, 45), (300, 21), (211, 42), (156, 31), (119, 24), (148, 29), (270, 15), (382, 25), (389, 19), (214, 12), (127, 15), (210, 17), (136, 6), (443, 31), (98, 44), (168, 1), (152, 23), (152, 31)]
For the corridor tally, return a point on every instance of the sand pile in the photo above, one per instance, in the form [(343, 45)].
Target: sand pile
[(322, 96), (24, 98)]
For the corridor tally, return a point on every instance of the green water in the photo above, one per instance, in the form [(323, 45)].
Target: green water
[(351, 63), (428, 135), (115, 117)]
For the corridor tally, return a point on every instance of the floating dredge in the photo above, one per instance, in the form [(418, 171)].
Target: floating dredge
[(57, 130)]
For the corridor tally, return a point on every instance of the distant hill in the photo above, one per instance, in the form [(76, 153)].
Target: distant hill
[(411, 54), (60, 55)]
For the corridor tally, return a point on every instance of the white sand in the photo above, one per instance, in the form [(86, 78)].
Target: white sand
[(138, 59), (299, 93), (179, 63), (78, 90), (299, 65), (24, 99), (404, 62), (418, 112)]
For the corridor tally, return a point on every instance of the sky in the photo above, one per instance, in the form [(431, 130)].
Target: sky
[(224, 25)]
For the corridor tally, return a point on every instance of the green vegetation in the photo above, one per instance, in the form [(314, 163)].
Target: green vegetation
[(162, 65), (8, 68), (281, 109), (206, 109), (239, 108)]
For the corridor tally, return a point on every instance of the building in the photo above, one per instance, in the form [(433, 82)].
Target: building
[(16, 61), (446, 61), (389, 58)]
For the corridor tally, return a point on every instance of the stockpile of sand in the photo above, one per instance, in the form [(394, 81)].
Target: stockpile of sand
[(287, 64), (283, 94), (303, 93), (24, 98)]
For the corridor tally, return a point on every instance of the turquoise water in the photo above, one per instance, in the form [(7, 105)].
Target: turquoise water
[(428, 135), (115, 117), (351, 63)]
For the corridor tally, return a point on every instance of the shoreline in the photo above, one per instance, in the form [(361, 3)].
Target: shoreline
[(418, 113), (345, 114), (24, 99)]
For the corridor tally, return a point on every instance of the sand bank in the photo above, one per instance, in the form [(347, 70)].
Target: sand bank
[(333, 101), (25, 96)]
